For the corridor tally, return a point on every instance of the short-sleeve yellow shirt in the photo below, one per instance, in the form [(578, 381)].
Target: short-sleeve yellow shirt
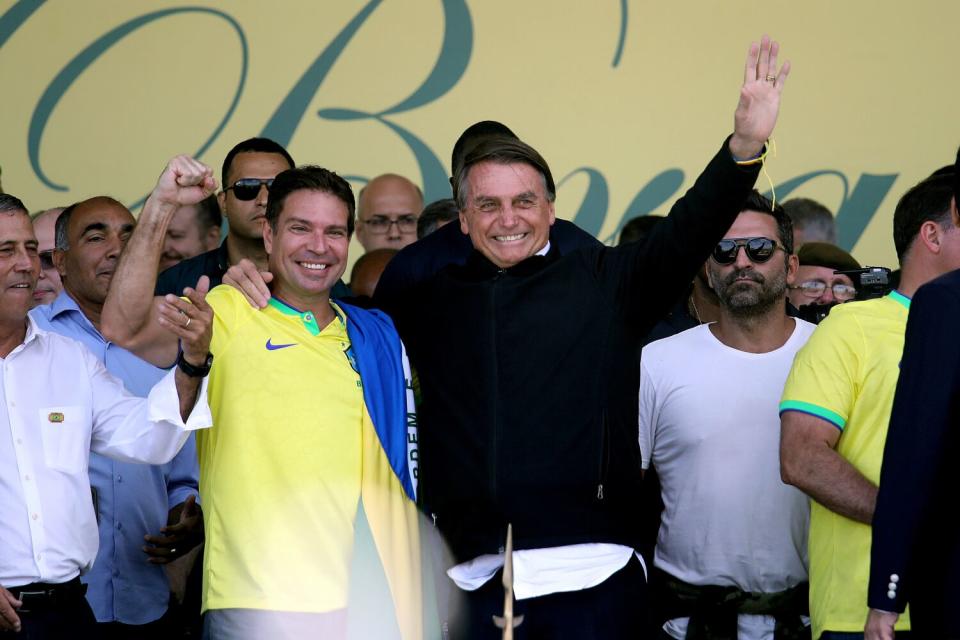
[(280, 470), (847, 374)]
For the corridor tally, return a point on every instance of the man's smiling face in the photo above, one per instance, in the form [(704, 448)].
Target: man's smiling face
[(308, 248), (508, 214), (19, 265)]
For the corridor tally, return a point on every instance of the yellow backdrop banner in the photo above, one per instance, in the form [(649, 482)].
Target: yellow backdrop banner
[(627, 100)]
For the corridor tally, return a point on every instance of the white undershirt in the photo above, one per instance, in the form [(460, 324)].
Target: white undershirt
[(709, 424)]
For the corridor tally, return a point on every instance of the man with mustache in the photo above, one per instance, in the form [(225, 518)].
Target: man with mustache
[(60, 403), (731, 555)]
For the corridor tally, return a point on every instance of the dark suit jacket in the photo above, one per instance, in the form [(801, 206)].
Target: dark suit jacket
[(916, 542)]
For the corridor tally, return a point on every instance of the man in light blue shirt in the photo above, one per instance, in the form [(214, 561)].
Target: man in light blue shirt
[(127, 587)]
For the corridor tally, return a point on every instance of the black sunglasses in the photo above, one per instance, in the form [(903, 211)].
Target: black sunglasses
[(248, 188), (758, 249)]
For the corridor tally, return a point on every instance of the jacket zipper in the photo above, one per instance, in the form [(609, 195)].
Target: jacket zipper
[(494, 440), (604, 454)]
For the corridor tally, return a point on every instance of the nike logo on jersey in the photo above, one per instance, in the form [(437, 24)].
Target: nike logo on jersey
[(274, 347)]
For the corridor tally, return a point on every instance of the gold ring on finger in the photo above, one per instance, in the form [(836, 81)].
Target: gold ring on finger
[(771, 78)]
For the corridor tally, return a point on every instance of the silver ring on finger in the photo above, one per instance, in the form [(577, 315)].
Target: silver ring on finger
[(187, 323)]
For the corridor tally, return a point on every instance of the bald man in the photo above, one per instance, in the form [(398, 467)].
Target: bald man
[(387, 213), (128, 594), (49, 285)]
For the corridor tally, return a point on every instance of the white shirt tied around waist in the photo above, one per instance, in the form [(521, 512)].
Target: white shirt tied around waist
[(59, 403)]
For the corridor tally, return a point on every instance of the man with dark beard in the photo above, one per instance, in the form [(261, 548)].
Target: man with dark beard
[(731, 555)]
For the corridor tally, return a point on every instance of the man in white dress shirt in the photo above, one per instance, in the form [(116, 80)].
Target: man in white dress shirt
[(59, 403)]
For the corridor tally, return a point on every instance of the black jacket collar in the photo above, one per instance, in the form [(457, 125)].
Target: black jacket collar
[(478, 267)]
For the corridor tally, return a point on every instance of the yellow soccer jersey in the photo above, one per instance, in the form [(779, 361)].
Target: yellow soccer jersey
[(847, 374), (280, 471)]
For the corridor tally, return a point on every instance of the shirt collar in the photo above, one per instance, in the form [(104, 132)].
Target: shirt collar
[(33, 331), (896, 296), (307, 317), (63, 303), (545, 250)]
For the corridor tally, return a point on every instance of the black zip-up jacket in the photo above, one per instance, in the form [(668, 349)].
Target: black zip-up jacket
[(529, 377)]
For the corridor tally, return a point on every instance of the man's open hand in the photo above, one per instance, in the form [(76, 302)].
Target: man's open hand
[(759, 104)]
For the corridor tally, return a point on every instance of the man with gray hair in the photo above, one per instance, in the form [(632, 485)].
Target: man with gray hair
[(48, 430), (544, 436), (435, 215), (529, 414), (812, 222)]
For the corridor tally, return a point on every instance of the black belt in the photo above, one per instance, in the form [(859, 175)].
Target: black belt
[(45, 596), (713, 610)]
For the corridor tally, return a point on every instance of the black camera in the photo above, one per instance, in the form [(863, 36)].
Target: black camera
[(870, 283)]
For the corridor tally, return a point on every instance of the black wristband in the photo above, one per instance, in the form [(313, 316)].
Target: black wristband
[(192, 370)]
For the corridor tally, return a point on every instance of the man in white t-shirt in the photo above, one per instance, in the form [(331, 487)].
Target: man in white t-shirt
[(731, 555)]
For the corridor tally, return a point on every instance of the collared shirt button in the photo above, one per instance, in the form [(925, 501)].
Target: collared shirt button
[(119, 526), (19, 441), (894, 577), (39, 556), (119, 478), (892, 595), (34, 516), (27, 477), (892, 586)]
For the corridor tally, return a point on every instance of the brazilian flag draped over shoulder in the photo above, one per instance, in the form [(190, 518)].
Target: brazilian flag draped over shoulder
[(388, 563)]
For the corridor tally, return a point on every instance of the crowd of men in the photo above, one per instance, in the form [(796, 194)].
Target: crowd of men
[(201, 416)]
